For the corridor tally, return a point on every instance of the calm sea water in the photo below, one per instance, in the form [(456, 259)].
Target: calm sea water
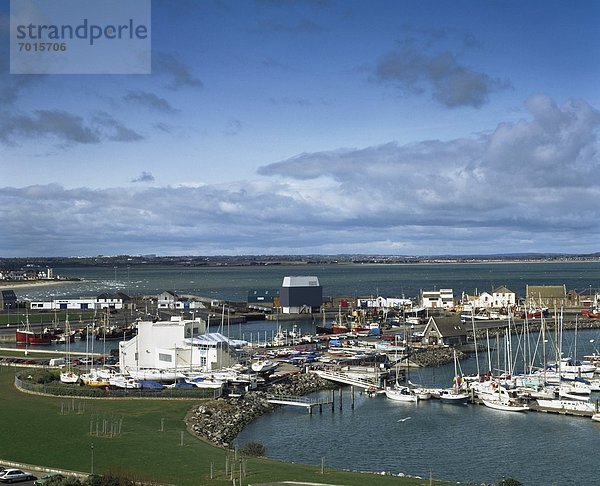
[(233, 283), (461, 443)]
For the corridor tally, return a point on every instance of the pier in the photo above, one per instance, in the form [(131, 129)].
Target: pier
[(298, 401), (345, 379)]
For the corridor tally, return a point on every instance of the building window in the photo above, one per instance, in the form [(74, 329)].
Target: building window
[(164, 357)]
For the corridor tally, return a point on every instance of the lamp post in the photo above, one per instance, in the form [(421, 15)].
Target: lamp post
[(92, 451)]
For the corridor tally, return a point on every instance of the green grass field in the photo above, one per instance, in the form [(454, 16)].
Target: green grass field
[(59, 433), (15, 318)]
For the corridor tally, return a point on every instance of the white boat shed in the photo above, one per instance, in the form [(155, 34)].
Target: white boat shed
[(178, 344)]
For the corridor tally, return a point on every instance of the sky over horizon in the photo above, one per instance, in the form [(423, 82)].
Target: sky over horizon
[(315, 127)]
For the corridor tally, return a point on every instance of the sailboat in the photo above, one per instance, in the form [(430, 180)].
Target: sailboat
[(503, 399), (400, 393), (454, 395), (68, 376)]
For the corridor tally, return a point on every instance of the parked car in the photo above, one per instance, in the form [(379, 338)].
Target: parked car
[(50, 477), (12, 475)]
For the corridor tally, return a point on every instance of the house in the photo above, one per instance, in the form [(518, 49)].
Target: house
[(300, 295), (437, 299), (167, 300), (444, 331), (502, 297), (545, 296), (111, 301), (482, 301), (178, 344)]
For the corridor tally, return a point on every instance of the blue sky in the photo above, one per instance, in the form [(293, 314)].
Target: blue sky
[(315, 126)]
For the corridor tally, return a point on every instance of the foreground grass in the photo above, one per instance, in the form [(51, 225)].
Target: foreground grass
[(153, 443)]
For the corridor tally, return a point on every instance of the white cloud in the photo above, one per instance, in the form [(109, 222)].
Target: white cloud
[(526, 186)]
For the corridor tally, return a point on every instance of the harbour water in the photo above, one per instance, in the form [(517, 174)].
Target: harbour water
[(462, 443)]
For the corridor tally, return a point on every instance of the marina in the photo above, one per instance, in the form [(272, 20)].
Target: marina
[(363, 365)]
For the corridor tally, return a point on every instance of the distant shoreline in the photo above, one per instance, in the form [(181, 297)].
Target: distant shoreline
[(27, 284)]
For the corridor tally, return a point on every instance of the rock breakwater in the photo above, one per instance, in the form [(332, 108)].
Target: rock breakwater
[(220, 421), (435, 357)]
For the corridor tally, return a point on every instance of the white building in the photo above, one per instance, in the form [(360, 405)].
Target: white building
[(170, 300), (503, 297), (103, 301), (384, 303), (177, 344), (437, 299), (64, 304)]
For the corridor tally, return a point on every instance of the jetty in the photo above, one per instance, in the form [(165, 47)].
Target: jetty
[(345, 378), (299, 401)]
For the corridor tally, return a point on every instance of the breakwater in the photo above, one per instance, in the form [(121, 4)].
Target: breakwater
[(220, 421), (433, 357)]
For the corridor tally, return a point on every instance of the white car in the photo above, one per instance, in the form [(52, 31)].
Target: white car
[(12, 475)]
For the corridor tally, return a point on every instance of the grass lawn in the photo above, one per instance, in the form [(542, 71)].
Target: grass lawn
[(59, 432), (15, 318)]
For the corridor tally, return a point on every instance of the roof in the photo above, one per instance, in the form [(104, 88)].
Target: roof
[(214, 338), (546, 291), (300, 281), (449, 326), (9, 295), (502, 290)]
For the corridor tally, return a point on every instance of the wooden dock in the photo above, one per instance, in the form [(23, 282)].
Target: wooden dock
[(298, 401)]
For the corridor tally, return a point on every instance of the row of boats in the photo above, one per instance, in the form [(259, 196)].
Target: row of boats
[(54, 335), (544, 390), (154, 378)]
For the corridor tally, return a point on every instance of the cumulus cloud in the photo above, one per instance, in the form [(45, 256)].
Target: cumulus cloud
[(144, 177), (150, 100), (63, 127), (416, 68), (57, 124), (179, 74), (114, 130), (525, 186)]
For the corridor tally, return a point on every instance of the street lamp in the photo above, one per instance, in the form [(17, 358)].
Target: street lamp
[(92, 451)]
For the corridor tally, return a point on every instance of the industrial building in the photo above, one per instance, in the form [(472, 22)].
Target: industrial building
[(300, 295)]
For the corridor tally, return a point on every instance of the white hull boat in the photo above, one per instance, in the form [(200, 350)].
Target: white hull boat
[(121, 381), (154, 374), (567, 405), (200, 382), (263, 365), (454, 397), (504, 406), (401, 394), (69, 377)]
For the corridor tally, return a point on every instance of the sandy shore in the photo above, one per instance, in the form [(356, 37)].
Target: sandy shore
[(33, 284)]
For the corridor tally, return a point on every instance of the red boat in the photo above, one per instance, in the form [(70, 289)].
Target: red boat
[(590, 313), (32, 338)]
